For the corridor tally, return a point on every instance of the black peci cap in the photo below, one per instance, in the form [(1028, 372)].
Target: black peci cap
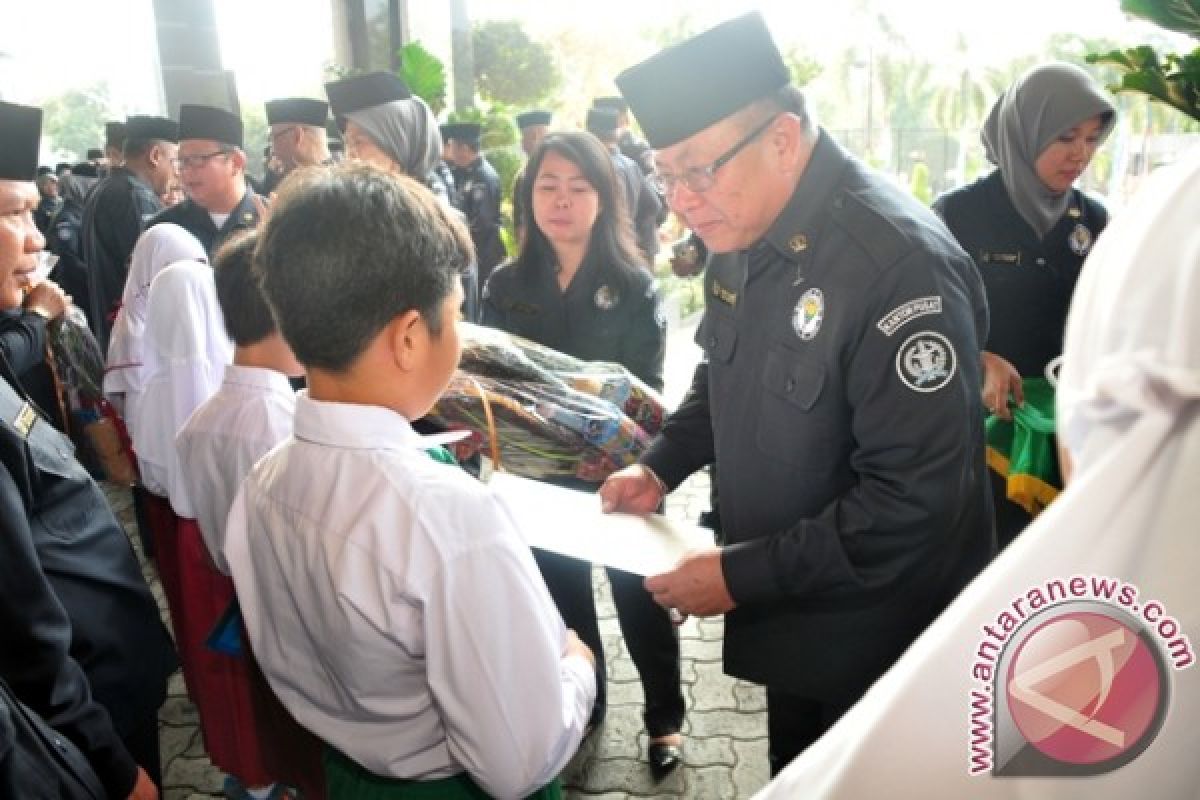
[(468, 133), (364, 91), (207, 122), (95, 154), (145, 127), (689, 86), (602, 122), (20, 138), (114, 134), (536, 117), (297, 111)]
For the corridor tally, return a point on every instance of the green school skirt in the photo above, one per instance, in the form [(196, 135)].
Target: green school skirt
[(346, 780)]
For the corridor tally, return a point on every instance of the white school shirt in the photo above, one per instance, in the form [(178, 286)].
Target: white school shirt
[(224, 437), (396, 610)]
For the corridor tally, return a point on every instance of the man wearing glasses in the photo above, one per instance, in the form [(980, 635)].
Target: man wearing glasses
[(118, 210), (212, 167), (840, 394), (298, 136)]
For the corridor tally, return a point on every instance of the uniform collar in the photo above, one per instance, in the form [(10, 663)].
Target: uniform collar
[(259, 378), (795, 229), (353, 427)]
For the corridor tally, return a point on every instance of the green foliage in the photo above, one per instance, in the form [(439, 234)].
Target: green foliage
[(255, 137), (1181, 16), (803, 68), (511, 68), (425, 75), (918, 183), (1173, 80), (74, 120)]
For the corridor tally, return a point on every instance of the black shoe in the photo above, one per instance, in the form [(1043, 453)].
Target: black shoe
[(663, 758)]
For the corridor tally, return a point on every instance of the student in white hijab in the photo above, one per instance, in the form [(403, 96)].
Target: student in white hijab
[(164, 244), (1129, 419), (186, 351)]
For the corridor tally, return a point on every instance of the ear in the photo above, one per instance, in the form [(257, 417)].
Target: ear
[(407, 340), (787, 141), (238, 159)]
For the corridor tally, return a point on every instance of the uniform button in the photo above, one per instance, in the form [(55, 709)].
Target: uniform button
[(790, 386), (1041, 262), (712, 341)]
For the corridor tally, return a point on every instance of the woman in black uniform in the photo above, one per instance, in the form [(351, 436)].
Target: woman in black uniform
[(1029, 230), (578, 285)]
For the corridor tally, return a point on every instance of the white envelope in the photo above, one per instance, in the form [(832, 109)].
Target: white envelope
[(571, 523)]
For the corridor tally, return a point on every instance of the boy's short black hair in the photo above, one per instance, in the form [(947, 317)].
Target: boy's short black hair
[(247, 317), (348, 249)]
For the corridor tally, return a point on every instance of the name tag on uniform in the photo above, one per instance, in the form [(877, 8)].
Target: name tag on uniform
[(1001, 258), (26, 418), (520, 307), (726, 296)]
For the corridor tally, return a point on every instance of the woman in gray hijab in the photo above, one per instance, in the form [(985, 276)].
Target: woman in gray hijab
[(385, 125), (1029, 229)]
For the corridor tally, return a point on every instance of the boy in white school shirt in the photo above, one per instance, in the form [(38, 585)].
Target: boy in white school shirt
[(390, 600)]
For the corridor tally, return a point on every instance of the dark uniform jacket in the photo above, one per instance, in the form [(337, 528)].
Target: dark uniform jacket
[(72, 596), (197, 221), (646, 211), (604, 315), (36, 761), (479, 191), (840, 400), (65, 240), (114, 216), (1029, 281)]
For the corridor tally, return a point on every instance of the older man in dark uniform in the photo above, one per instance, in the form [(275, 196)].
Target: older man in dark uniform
[(839, 397), (646, 210), (118, 209), (298, 137), (533, 126), (633, 148), (212, 167), (77, 620), (479, 192)]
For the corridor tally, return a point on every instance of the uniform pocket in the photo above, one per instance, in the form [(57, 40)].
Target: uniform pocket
[(793, 424)]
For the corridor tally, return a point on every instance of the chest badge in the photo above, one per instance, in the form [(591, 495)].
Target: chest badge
[(1080, 240), (808, 314), (606, 299), (26, 417), (926, 361)]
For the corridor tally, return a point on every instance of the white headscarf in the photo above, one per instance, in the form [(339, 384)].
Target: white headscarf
[(186, 352), (1129, 413), (156, 248)]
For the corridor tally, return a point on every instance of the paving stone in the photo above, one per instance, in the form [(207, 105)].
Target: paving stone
[(724, 723), (196, 774), (174, 740), (627, 775), (752, 771), (178, 711), (702, 650), (625, 693), (713, 751), (712, 629), (713, 689), (712, 782), (750, 697)]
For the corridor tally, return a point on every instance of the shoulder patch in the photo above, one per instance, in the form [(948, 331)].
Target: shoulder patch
[(926, 361), (903, 314)]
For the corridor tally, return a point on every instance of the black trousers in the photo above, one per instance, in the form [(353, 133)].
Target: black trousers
[(142, 744), (1011, 519), (652, 640), (794, 722)]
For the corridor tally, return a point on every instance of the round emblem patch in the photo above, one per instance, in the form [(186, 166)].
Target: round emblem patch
[(606, 298), (808, 314), (926, 361), (1080, 240)]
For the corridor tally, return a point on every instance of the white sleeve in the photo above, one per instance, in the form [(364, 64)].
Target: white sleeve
[(513, 705)]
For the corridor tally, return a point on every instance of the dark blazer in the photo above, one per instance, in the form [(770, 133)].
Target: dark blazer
[(840, 401)]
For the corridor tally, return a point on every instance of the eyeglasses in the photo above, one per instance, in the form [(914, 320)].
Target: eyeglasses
[(701, 179), (198, 160)]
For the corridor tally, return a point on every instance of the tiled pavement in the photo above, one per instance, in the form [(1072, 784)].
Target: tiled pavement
[(725, 751)]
